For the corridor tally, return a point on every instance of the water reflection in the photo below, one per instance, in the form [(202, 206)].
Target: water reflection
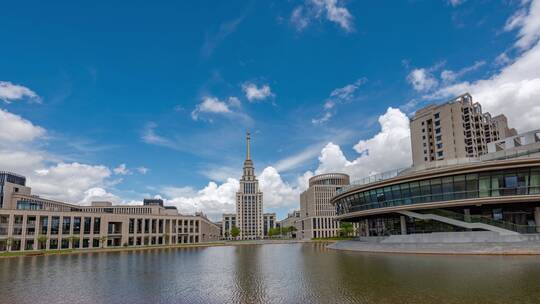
[(287, 273)]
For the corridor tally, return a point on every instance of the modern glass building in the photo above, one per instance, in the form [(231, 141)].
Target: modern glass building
[(498, 195)]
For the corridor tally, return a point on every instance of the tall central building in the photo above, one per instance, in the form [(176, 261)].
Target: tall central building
[(249, 201)]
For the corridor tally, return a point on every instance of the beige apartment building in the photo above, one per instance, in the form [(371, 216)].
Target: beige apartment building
[(454, 130), (317, 215), (249, 201), (29, 222)]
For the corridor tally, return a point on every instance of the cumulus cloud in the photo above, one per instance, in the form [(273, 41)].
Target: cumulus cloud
[(98, 194), (387, 150), (210, 107), (12, 92), (47, 174), (331, 10), (255, 93), (68, 181), (213, 199), (422, 80), (14, 128), (277, 193), (515, 89)]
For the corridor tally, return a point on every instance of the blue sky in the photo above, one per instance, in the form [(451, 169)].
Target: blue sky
[(122, 101)]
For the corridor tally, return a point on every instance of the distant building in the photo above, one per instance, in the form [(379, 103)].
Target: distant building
[(291, 221), (25, 217), (249, 201), (153, 202), (269, 222), (317, 215), (228, 221), (456, 129)]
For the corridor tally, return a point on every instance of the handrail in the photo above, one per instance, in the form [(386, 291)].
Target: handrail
[(427, 198)]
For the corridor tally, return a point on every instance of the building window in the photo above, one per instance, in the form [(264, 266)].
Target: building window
[(436, 115), (55, 225), (438, 123), (76, 225), (439, 146), (66, 225), (438, 138), (87, 222), (439, 153), (438, 131), (97, 224)]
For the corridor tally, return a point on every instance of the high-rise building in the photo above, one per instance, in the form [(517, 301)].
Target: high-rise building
[(453, 130), (249, 201), (317, 215)]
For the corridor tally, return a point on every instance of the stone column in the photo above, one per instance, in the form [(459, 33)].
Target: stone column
[(403, 225), (537, 218)]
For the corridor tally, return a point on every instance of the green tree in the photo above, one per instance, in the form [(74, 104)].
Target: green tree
[(166, 237), (103, 240), (73, 239), (9, 242), (42, 241), (235, 231), (274, 232), (346, 229)]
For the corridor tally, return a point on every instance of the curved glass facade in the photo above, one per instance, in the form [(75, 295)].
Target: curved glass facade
[(455, 187)]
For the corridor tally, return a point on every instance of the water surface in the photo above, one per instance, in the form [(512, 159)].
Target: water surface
[(284, 273)]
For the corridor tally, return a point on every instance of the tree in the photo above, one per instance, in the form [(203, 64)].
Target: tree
[(273, 232), (103, 240), (166, 238), (9, 242), (73, 239), (235, 231), (346, 229), (42, 241)]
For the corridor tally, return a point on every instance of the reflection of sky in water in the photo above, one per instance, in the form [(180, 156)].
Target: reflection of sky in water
[(295, 273)]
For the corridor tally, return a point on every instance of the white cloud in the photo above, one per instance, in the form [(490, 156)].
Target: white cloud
[(11, 92), (142, 170), (321, 120), (298, 159), (213, 199), (68, 181), (210, 105), (99, 194), (527, 20), (277, 193), (14, 128), (448, 76), (338, 96), (255, 93), (455, 3), (121, 170), (515, 89), (422, 80), (331, 10), (150, 136), (388, 150)]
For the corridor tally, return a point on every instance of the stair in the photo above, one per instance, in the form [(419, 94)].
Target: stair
[(458, 223)]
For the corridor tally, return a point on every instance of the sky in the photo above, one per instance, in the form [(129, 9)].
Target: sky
[(118, 101)]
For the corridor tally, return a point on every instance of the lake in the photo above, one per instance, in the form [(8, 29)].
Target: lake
[(276, 273)]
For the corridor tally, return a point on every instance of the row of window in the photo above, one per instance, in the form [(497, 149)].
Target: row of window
[(488, 184)]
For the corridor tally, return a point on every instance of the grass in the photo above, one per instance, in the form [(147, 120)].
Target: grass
[(108, 249)]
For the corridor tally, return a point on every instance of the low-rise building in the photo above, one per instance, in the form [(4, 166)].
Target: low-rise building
[(30, 222)]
